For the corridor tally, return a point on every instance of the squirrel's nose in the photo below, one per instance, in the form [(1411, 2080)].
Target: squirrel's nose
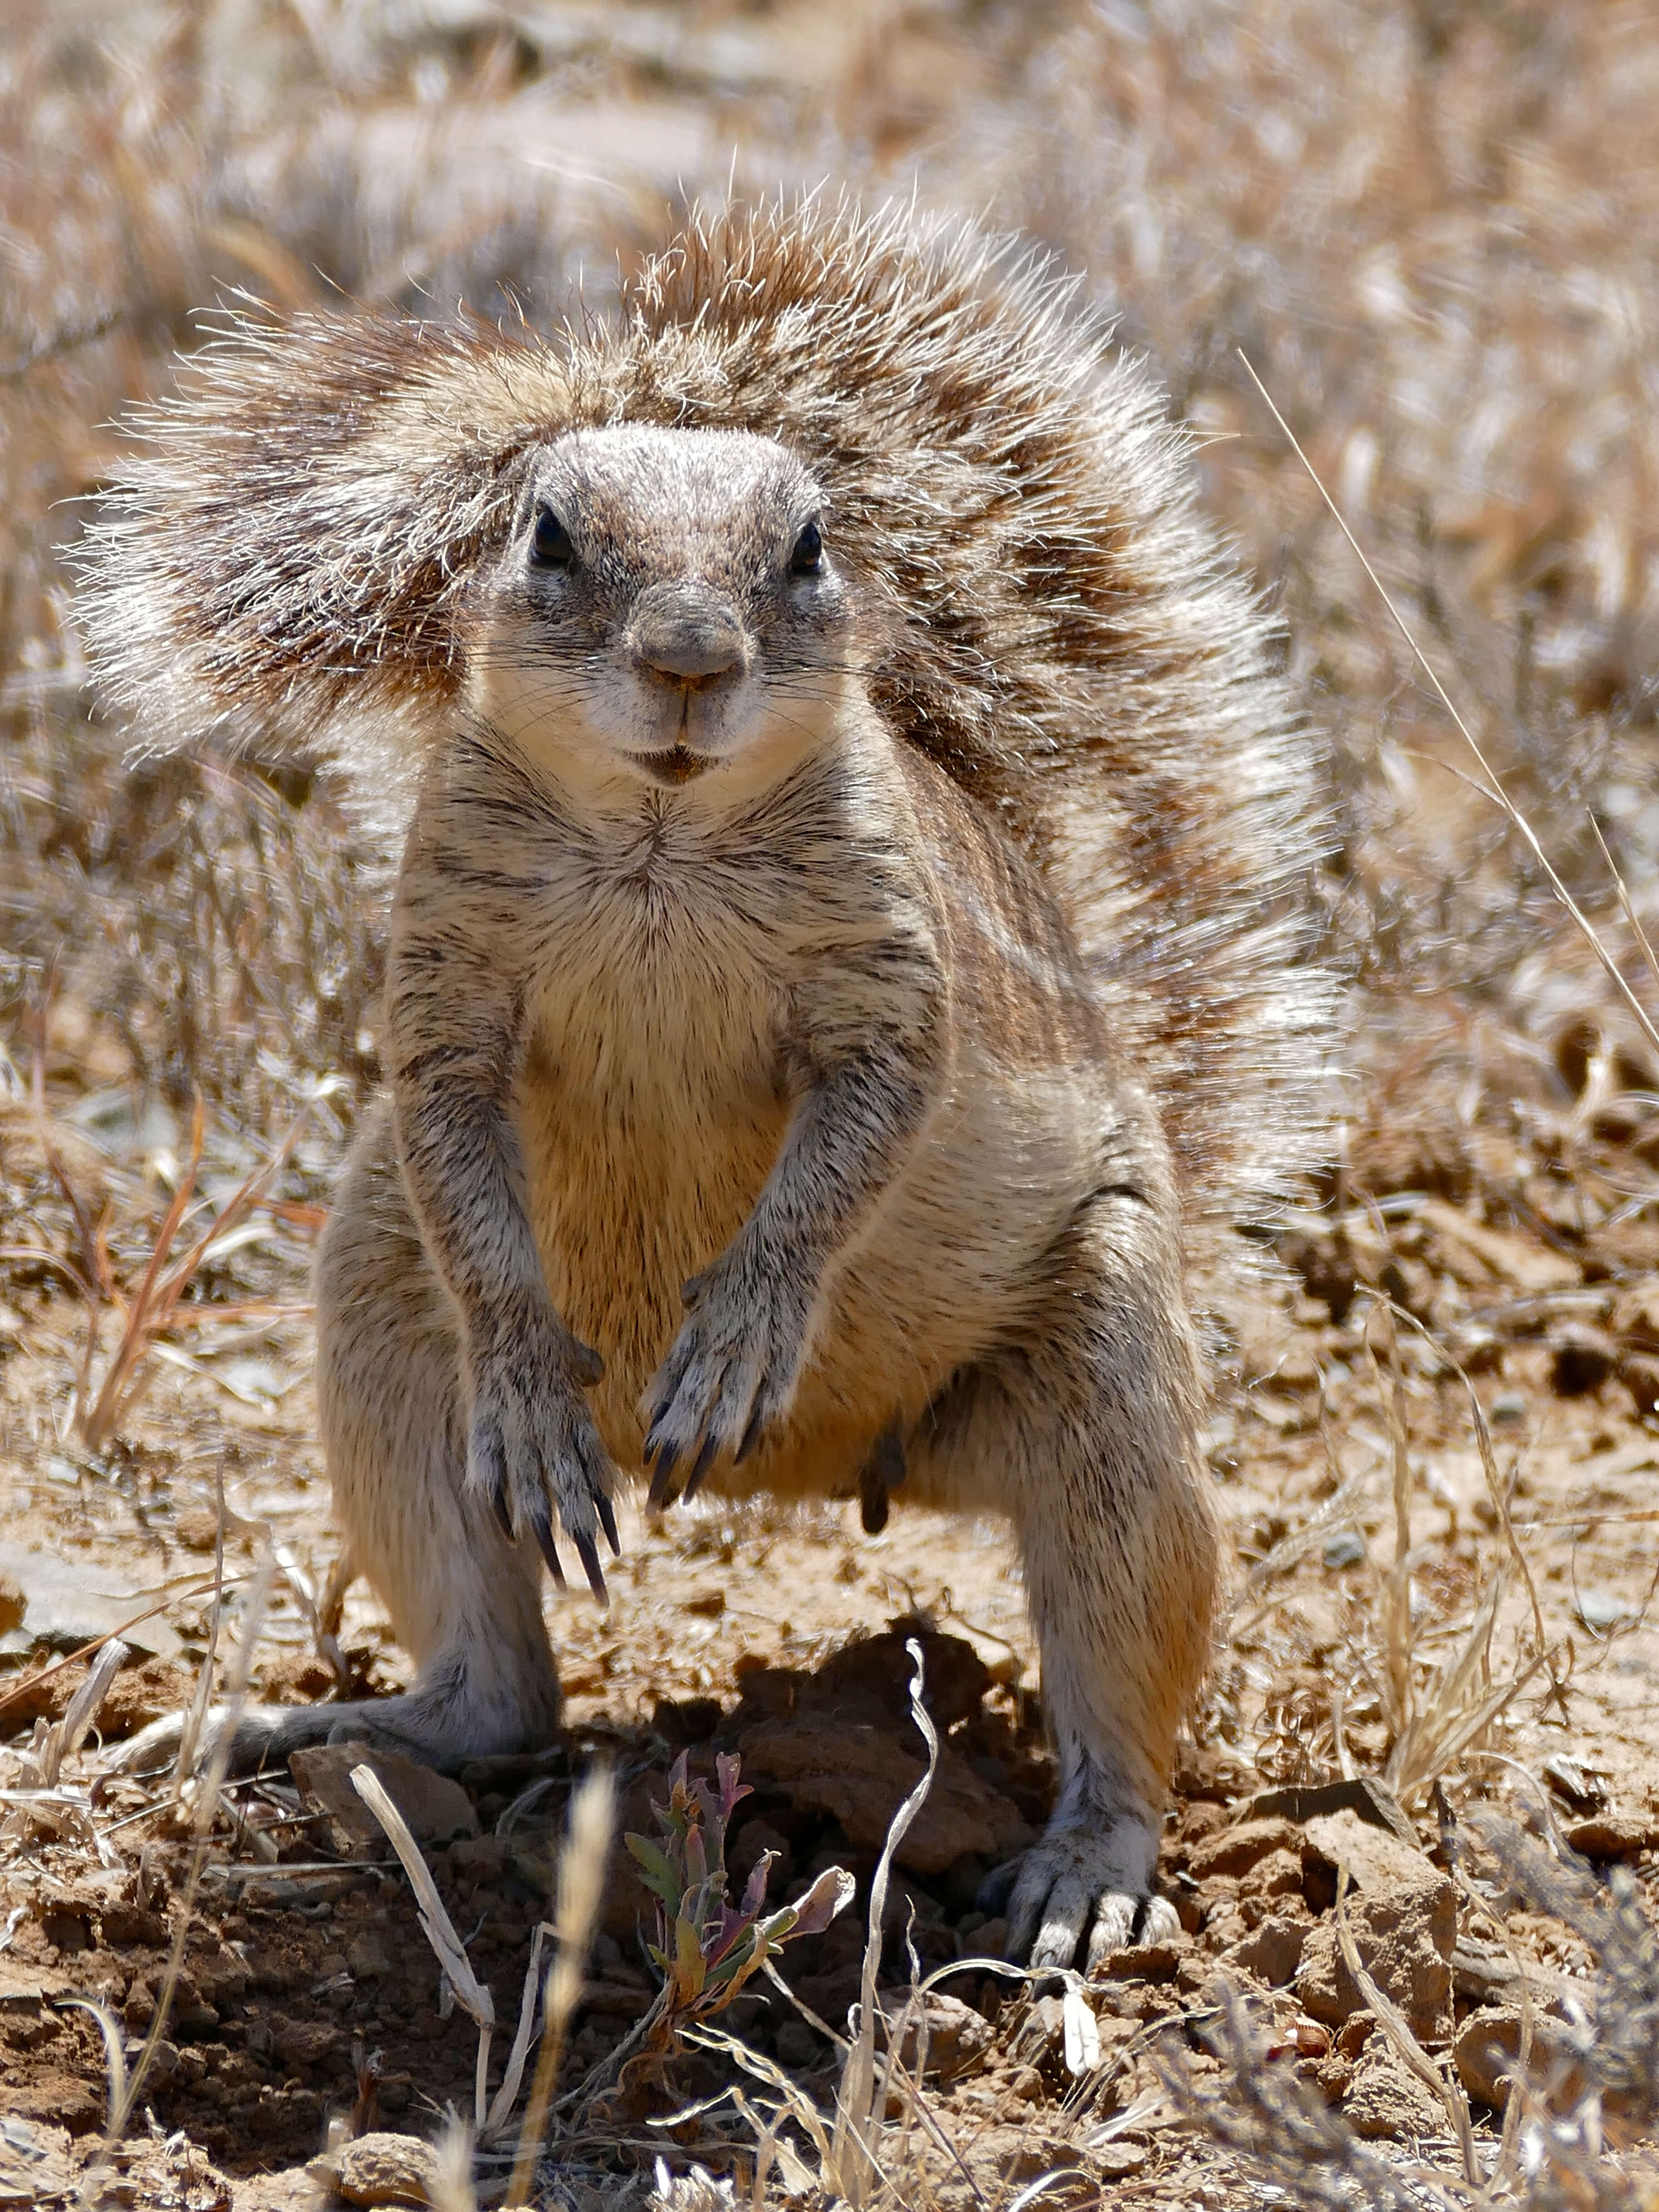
[(686, 631)]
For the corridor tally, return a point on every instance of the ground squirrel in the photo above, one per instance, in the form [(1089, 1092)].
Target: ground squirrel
[(849, 972)]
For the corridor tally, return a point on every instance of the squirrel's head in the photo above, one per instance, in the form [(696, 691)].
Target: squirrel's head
[(669, 608)]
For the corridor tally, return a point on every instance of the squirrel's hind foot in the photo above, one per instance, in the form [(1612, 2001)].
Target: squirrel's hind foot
[(1085, 1890), (437, 1732)]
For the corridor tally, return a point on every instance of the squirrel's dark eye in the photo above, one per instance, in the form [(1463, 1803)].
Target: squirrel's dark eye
[(808, 552), (549, 544)]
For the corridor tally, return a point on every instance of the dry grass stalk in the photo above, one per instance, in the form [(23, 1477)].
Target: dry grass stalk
[(507, 2095), (852, 2170), (205, 1812), (1399, 1675), (436, 1924), (195, 1713), (581, 1882), (1517, 819), (1498, 1489), (452, 2190), (83, 1709), (153, 1306), (115, 2053), (1459, 1705)]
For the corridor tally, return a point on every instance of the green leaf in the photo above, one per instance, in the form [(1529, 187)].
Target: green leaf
[(659, 1870)]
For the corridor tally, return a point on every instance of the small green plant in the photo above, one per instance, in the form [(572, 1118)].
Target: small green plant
[(708, 1947)]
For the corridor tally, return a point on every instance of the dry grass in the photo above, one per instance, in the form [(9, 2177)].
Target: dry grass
[(1432, 229)]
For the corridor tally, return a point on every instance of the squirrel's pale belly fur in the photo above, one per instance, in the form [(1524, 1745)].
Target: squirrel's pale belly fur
[(850, 972), (651, 1118)]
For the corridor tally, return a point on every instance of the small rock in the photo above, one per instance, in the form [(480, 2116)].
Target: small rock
[(1403, 1914), (1385, 2099), (1345, 1549), (1279, 1874), (71, 1601), (1354, 2033), (1116, 2161), (304, 2042), (1508, 1407), (1400, 1951), (368, 1955), (1376, 1860), (1235, 1850), (123, 1924), (956, 1678), (957, 2037), (476, 1860), (1611, 1835), (1142, 1962), (1273, 1954), (1488, 2052), (434, 1806), (13, 1604), (1309, 1801), (143, 1692), (860, 1774), (989, 1940), (381, 2169)]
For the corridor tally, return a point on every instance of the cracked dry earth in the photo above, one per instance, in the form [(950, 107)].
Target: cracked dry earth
[(309, 1992)]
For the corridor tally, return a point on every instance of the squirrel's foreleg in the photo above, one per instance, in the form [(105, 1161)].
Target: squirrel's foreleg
[(867, 1056), (453, 1017)]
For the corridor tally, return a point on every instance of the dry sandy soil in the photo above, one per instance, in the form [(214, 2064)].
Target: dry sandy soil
[(781, 1638)]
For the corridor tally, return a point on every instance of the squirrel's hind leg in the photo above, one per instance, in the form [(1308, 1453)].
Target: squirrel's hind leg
[(464, 1602), (1084, 1431)]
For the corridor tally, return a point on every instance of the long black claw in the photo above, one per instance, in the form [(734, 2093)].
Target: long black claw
[(504, 1515), (751, 1435), (588, 1554), (544, 1544), (607, 1512), (704, 1461), (661, 1475)]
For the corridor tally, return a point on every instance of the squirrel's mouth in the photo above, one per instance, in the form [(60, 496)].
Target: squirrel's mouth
[(679, 764)]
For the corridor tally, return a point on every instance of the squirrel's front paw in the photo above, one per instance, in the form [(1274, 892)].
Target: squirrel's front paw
[(533, 1449), (730, 1373)]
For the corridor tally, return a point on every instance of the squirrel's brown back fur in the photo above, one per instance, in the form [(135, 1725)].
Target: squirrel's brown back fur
[(293, 561)]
